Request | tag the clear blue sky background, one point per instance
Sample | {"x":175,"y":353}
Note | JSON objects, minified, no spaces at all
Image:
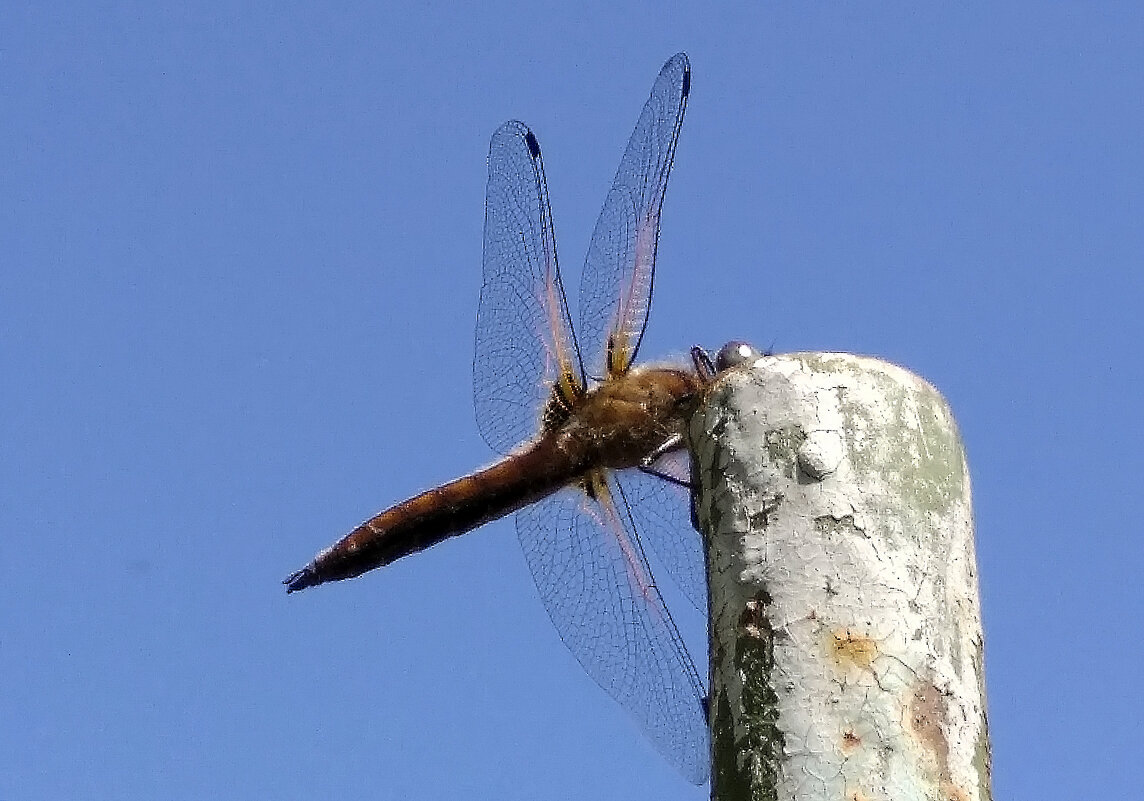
{"x":239,"y":267}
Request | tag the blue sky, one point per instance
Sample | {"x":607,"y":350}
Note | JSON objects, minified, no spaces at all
{"x":239,"y":267}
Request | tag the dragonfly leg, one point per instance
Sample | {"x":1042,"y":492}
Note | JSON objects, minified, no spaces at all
{"x":670,"y":444}
{"x":704,"y":367}
{"x":651,"y":471}
{"x":674,"y":442}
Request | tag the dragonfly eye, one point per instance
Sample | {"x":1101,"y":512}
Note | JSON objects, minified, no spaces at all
{"x":735,"y":353}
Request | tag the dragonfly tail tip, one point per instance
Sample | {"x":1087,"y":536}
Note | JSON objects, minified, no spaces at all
{"x":300,"y":580}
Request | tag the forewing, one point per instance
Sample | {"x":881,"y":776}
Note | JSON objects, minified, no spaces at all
{"x":615,"y":287}
{"x":598,"y":590}
{"x":524,"y":339}
{"x":662,"y":515}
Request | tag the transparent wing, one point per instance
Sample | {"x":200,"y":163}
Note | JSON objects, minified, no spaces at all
{"x":596,"y":585}
{"x":662,"y":514}
{"x":615,"y":288}
{"x":524,"y":341}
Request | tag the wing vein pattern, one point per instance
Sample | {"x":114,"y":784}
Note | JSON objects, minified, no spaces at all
{"x":616,"y":285}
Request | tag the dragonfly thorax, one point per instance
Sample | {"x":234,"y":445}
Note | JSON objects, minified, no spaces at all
{"x":620,"y":422}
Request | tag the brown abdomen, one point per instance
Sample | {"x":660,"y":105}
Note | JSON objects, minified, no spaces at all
{"x":443,"y":512}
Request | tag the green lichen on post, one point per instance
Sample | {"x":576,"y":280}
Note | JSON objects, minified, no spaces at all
{"x":726,"y":778}
{"x":748,"y":752}
{"x":983,"y":764}
{"x":983,"y":752}
{"x":782,"y":447}
{"x":927,"y":461}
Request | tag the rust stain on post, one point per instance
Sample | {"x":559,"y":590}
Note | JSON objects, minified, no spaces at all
{"x":929,"y":718}
{"x":851,"y":742}
{"x":850,"y":649}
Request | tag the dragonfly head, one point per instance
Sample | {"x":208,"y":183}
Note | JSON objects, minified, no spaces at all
{"x":735,"y":353}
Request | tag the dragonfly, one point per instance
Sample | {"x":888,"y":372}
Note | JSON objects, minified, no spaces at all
{"x":603,"y":458}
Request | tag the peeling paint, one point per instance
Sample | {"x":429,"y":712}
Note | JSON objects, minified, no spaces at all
{"x":768,"y":508}
{"x":782,"y":445}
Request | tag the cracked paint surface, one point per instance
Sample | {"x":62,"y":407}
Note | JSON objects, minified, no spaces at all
{"x":845,"y":623}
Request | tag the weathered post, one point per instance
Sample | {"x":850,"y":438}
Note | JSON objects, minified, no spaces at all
{"x":846,"y":645}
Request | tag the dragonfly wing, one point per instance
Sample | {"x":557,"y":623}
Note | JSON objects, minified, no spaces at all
{"x":615,"y":288}
{"x":524,"y":341}
{"x":598,"y":590}
{"x":662,"y":515}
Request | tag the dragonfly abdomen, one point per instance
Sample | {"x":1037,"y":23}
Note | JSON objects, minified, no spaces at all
{"x":446,"y":511}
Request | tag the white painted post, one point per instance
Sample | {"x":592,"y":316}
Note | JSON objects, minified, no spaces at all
{"x":846,"y":646}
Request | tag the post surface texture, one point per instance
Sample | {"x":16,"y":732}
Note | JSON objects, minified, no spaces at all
{"x":846,"y":646}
